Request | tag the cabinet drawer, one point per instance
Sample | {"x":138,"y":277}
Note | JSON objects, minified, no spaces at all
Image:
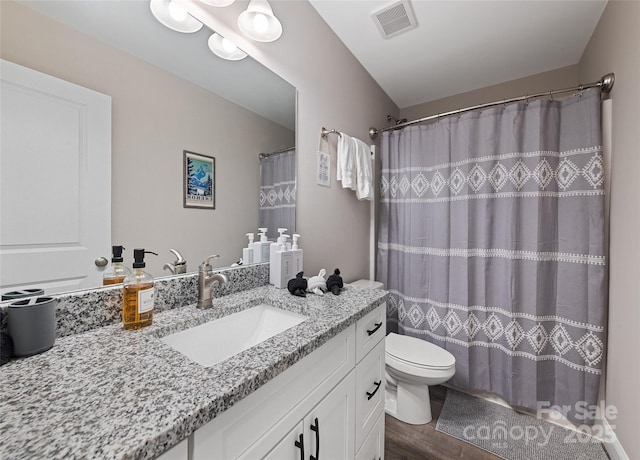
{"x":370,"y":330}
{"x":370,"y":383}
{"x":373,"y":446}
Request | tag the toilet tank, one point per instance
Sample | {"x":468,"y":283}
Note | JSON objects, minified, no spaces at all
{"x":370,"y":284}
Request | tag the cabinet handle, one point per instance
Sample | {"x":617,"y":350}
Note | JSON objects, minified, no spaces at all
{"x":370,"y":332}
{"x":300,"y":445}
{"x":315,"y":427}
{"x":370,"y":395}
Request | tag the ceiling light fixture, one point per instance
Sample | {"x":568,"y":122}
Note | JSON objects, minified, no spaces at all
{"x":259,"y":23}
{"x":173,"y":16}
{"x":224,"y":48}
{"x":218,"y":3}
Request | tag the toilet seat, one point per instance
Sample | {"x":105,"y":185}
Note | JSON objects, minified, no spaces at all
{"x":406,"y":351}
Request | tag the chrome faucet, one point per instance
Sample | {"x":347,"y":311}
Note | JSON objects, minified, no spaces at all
{"x":205,"y":279}
{"x":179,"y":266}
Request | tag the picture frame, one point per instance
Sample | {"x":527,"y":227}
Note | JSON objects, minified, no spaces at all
{"x":199,"y":181}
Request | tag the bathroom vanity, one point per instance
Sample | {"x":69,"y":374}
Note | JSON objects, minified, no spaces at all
{"x":110,"y":393}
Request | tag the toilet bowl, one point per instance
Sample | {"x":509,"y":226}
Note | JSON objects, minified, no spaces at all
{"x":411,"y":365}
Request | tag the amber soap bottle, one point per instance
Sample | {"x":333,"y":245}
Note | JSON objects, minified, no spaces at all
{"x":117,"y":272}
{"x":138,"y":294}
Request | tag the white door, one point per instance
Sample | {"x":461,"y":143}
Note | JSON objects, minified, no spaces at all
{"x":330,"y":426}
{"x":55,"y":182}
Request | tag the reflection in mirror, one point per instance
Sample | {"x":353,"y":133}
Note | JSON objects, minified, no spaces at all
{"x":278,"y":191}
{"x":168,"y":93}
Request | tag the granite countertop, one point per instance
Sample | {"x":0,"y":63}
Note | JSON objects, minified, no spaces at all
{"x":110,"y":393}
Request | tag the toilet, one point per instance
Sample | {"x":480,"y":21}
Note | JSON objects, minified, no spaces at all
{"x":411,"y":366}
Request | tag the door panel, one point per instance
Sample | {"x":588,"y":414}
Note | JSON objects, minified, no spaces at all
{"x":55,"y":182}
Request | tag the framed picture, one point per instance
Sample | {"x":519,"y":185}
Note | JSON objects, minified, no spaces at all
{"x":199,"y":181}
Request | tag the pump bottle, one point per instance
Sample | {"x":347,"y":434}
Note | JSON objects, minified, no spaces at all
{"x":280,"y":265}
{"x":247,"y":253}
{"x":296,"y":254}
{"x":275,"y":246}
{"x":138,"y":294}
{"x":117,"y":272}
{"x":261,"y":248}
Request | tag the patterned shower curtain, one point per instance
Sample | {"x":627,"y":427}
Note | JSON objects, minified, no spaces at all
{"x":491,"y":243}
{"x":278,"y":193}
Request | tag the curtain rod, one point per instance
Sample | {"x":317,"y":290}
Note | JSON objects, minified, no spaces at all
{"x":605,"y":84}
{"x":262,"y":156}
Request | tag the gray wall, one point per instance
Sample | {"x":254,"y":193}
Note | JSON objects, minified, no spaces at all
{"x":155,"y":116}
{"x":333,"y":91}
{"x":554,"y":79}
{"x":615,"y":47}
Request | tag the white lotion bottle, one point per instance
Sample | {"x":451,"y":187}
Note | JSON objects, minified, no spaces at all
{"x":280,"y":262}
{"x":247,"y":253}
{"x":296,"y":255}
{"x":273,"y":247}
{"x":261,"y":249}
{"x":286,"y":266}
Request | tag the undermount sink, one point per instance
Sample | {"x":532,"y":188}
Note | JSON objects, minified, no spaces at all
{"x":213,"y":342}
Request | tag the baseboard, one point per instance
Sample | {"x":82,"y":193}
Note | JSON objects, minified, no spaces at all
{"x":613,"y":447}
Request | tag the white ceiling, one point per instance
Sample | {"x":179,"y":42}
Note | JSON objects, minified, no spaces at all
{"x":128,"y":25}
{"x":460,"y":46}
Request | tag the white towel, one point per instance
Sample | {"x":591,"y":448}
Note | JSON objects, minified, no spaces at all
{"x":354,"y":167}
{"x":364,"y":170}
{"x":346,"y":161}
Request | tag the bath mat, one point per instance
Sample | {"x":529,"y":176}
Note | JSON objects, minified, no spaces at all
{"x":510,"y":435}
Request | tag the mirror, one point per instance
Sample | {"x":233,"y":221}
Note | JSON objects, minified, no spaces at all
{"x":169,"y":93}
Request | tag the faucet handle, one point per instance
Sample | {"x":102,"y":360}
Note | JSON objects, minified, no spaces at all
{"x":179,"y":258}
{"x":206,"y":261}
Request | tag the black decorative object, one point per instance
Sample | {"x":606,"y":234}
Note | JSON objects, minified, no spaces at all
{"x":298,"y":285}
{"x":334,"y":282}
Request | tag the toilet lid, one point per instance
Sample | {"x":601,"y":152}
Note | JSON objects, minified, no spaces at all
{"x":418,"y":352}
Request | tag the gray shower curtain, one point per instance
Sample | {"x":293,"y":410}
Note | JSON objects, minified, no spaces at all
{"x":278,"y":193}
{"x":491,"y":242}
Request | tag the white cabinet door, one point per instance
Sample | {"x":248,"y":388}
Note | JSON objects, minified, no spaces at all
{"x":327,"y":432}
{"x":293,"y":446}
{"x":55,"y":182}
{"x":252,"y":427}
{"x":330,"y":426}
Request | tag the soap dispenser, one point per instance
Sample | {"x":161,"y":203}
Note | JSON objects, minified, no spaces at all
{"x":247,"y":253}
{"x":138,"y":294}
{"x":280,"y":266}
{"x":261,"y":249}
{"x":296,"y":254}
{"x":117,"y":272}
{"x":276,"y":245}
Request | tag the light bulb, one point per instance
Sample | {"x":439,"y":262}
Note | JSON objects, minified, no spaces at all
{"x":260,"y":22}
{"x":177,"y":12}
{"x":228,"y":46}
{"x":224,"y":48}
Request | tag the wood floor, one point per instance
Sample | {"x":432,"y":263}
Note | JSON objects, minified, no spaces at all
{"x":423,"y":442}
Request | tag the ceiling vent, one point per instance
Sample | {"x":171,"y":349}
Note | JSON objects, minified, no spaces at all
{"x":395,"y":19}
